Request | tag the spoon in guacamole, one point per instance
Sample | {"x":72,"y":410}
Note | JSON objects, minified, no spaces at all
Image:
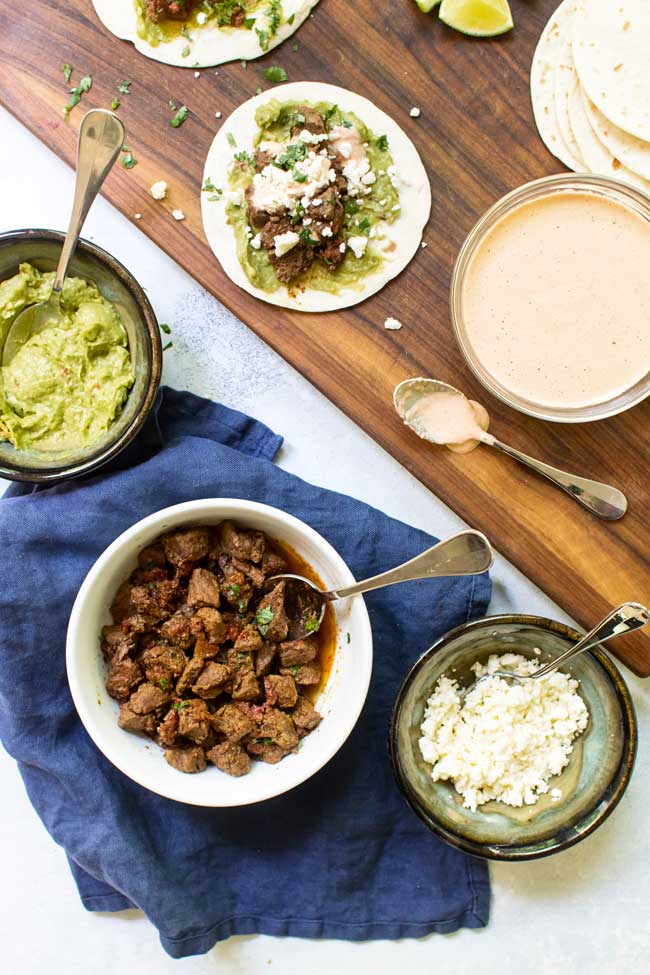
{"x":101,"y":137}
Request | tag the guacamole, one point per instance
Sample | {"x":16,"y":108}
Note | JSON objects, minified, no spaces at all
{"x":66,"y":385}
{"x":364,"y":214}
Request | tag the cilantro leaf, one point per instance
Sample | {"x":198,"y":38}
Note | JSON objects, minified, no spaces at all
{"x":276,"y":74}
{"x":264,"y":616}
{"x":123,"y":87}
{"x":67,"y":71}
{"x":180,"y":117}
{"x":382,"y":143}
{"x":165,"y":328}
{"x":312,"y":626}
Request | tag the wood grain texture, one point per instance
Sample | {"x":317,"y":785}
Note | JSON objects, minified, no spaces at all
{"x":477,"y":138}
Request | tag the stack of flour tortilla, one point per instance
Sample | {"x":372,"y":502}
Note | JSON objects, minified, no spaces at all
{"x":590,"y":87}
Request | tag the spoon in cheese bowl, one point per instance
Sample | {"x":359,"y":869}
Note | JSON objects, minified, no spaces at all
{"x":441,"y":414}
{"x":623,"y":619}
{"x":467,"y":553}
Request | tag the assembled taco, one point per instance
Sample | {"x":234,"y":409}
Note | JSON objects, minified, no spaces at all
{"x":201,"y":33}
{"x":313,"y":198}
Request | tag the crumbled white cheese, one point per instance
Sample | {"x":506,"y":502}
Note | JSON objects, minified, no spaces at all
{"x":178,"y":215}
{"x":236,"y":197}
{"x":316,"y":203}
{"x":394,"y":176}
{"x":368,"y":178}
{"x":396,"y":208}
{"x":415,"y":112}
{"x":285,"y":242}
{"x":201,"y":18}
{"x":256,"y":242}
{"x":358,"y":245}
{"x":158,"y":190}
{"x":306,"y":221}
{"x":343,"y":247}
{"x":327,"y":232}
{"x":505,"y":740}
{"x":392,"y":324}
{"x":275,"y":189}
{"x":556,"y":795}
{"x":311,"y":138}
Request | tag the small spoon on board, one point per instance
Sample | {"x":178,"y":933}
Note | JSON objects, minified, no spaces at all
{"x":600,"y":499}
{"x":464,"y":554}
{"x":101,"y":137}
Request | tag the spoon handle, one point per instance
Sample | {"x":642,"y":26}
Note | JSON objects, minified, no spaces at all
{"x":467,"y":553}
{"x":601,"y":499}
{"x":101,"y":137}
{"x":623,"y":619}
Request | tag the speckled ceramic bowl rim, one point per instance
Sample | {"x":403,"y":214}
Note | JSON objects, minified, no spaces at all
{"x":92,"y":462}
{"x":610,"y":798}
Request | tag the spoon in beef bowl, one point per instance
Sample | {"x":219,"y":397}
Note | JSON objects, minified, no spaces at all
{"x":465,"y":554}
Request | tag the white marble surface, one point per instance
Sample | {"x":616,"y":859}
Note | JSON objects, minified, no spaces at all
{"x":583,"y":911}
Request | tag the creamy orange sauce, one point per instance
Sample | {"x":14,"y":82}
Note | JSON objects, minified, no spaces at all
{"x":556,"y":300}
{"x":449,"y":418}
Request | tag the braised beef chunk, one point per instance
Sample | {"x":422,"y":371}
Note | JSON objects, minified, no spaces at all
{"x":230,"y":757}
{"x":147,"y":698}
{"x":201,"y":656}
{"x":211,"y":680}
{"x":270,"y":616}
{"x":193,"y":720}
{"x":305,"y":716}
{"x":158,"y":10}
{"x":238,"y":16}
{"x":230,"y":721}
{"x":242,"y":544}
{"x":280,"y":690}
{"x":190,"y":759}
{"x":186,"y":546}
{"x":313,"y":122}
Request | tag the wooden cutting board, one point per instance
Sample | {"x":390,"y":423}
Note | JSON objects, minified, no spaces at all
{"x":477,"y":138}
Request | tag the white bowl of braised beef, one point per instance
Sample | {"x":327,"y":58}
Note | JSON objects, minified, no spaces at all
{"x":182,"y":656}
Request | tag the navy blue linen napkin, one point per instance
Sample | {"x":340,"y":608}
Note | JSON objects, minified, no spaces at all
{"x":341,"y":856}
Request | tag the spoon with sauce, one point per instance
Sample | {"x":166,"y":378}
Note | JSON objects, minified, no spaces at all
{"x":101,"y":137}
{"x":467,"y":553}
{"x":443,"y":415}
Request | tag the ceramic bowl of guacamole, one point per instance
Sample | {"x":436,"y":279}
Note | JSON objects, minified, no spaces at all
{"x":75,"y":394}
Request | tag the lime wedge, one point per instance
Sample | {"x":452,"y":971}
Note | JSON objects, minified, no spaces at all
{"x":479,"y":18}
{"x":427,"y":5}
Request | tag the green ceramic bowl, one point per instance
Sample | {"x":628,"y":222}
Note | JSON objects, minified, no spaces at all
{"x":593,"y":782}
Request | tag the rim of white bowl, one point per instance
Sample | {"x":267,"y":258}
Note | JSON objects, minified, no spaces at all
{"x":152,"y":521}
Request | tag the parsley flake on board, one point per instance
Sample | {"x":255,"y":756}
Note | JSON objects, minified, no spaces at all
{"x":180,"y":117}
{"x":115,"y":104}
{"x":67,"y":71}
{"x":123,"y":87}
{"x":275,"y":74}
{"x":84,"y":85}
{"x":128,"y":159}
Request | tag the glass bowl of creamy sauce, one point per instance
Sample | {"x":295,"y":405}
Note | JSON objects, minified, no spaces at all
{"x":550,"y":298}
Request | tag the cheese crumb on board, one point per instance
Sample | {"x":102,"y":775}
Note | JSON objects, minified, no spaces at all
{"x":505,"y":740}
{"x":159,"y":189}
{"x":392,"y":324}
{"x":415,"y":112}
{"x":178,"y":215}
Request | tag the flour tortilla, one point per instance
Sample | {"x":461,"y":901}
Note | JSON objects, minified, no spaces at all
{"x":611,"y":48}
{"x":210,"y":44}
{"x":405,"y":232}
{"x":549,"y":78}
{"x":632,"y":152}
{"x":596,"y":155}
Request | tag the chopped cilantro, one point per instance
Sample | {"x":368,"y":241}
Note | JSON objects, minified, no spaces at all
{"x":297,"y":118}
{"x":331,"y":112}
{"x":115,"y":104}
{"x":170,"y":345}
{"x":209,"y":187}
{"x":291,"y":18}
{"x":312,"y":625}
{"x":234,"y":589}
{"x":382,"y":143}
{"x":364,"y":224}
{"x":128,"y":159}
{"x":262,"y":741}
{"x":67,"y":71}
{"x":165,"y":328}
{"x":123,"y":87}
{"x":276,"y":74}
{"x":298,"y":176}
{"x":84,"y":85}
{"x":231,"y":140}
{"x":306,"y":238}
{"x":293,"y":153}
{"x":264,"y":617}
{"x":351,"y":207}
{"x":248,"y":23}
{"x":163,"y":683}
{"x":294,"y":670}
{"x":346,"y":123}
{"x":185,"y":52}
{"x":180,"y":705}
{"x":185,"y":31}
{"x":347,"y":636}
{"x":263,"y":37}
{"x":180,"y":117}
{"x":244,"y":157}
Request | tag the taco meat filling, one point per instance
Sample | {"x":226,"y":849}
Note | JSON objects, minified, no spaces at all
{"x":296,"y":201}
{"x":227,"y":11}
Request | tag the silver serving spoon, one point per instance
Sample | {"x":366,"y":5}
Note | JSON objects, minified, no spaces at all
{"x":623,"y":619}
{"x":464,"y":554}
{"x":101,"y":137}
{"x":601,"y":499}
